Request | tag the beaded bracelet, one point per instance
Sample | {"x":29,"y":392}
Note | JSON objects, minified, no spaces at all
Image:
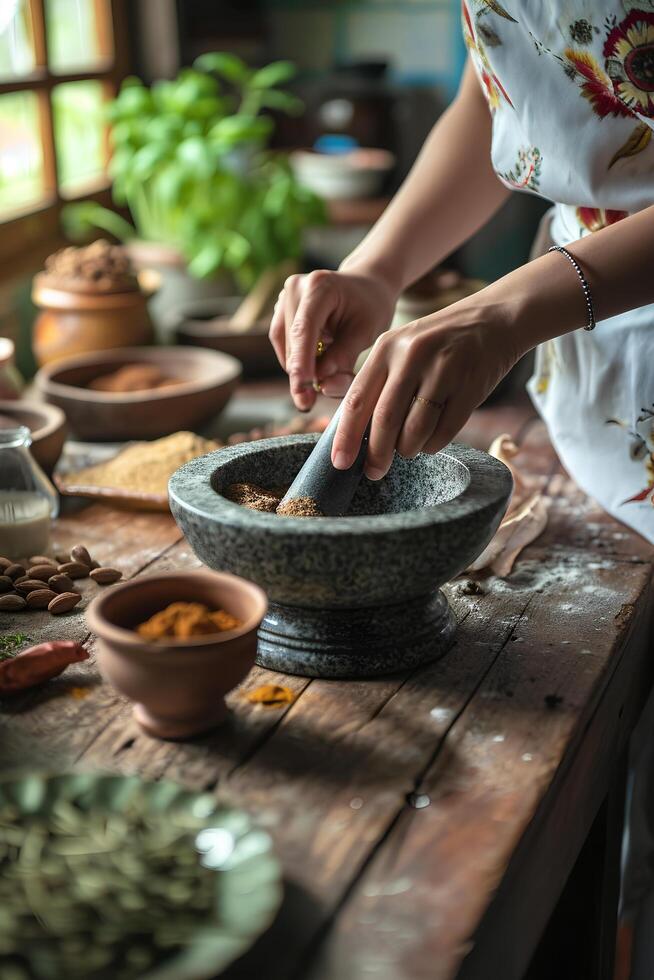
{"x":584,"y":284}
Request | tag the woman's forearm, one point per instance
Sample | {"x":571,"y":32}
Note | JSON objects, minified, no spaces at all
{"x":545,"y":298}
{"x":451,"y":192}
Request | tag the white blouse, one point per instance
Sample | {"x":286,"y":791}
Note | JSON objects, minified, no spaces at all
{"x":570,"y":86}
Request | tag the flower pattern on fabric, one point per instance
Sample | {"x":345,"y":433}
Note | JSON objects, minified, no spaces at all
{"x":525,"y":174}
{"x":624,"y":86}
{"x":493,"y":88}
{"x":641,"y":447}
{"x":594,"y":219}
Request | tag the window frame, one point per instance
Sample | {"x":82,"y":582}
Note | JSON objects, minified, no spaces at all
{"x":32,"y":231}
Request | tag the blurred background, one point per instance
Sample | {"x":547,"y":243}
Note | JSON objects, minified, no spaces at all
{"x":161,"y":168}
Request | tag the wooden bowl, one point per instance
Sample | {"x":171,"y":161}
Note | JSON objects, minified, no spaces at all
{"x":47,"y":424}
{"x":205,"y":323}
{"x":207,"y":382}
{"x":178,"y":686}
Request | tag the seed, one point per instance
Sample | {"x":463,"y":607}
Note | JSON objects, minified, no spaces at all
{"x":61,"y":557}
{"x":29,"y":585}
{"x":5,"y":563}
{"x":61,"y":583}
{"x":11,"y":603}
{"x":41,"y":560}
{"x":105,"y":576}
{"x":21,"y":578}
{"x":80,"y":554}
{"x":95,"y":564}
{"x":15,"y":570}
{"x":40,"y":598}
{"x":63,"y":603}
{"x":42,"y":572}
{"x":74,"y":569}
{"x":6,"y":585}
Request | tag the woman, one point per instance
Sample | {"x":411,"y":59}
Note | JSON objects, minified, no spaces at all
{"x":557,"y":99}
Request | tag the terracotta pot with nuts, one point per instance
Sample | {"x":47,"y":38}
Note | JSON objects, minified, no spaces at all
{"x":90,"y":299}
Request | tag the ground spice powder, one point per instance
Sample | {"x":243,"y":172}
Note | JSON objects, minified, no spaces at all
{"x":257,"y":498}
{"x":271,"y":695}
{"x":180,"y":620}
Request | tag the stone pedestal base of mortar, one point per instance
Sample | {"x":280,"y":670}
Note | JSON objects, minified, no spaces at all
{"x":355,"y":642}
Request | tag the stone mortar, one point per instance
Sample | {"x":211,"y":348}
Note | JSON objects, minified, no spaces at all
{"x":351,"y":596}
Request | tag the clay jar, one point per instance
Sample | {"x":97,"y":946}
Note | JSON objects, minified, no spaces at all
{"x":73,"y":322}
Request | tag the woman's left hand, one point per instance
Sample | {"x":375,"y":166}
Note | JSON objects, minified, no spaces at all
{"x":421,"y":382}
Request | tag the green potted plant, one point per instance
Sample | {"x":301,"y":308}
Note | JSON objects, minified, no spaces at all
{"x":191,"y":162}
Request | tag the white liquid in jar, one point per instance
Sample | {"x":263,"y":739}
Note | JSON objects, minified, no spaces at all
{"x":24,"y":523}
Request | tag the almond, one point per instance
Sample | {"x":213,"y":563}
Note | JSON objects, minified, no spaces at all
{"x":63,"y":603}
{"x":41,"y":560}
{"x":6,"y":585}
{"x":61,"y":583}
{"x":40,"y":598}
{"x":74,"y":569}
{"x":29,"y":585}
{"x":15,"y":570}
{"x":80,"y":554}
{"x":11,"y":603}
{"x":21,"y":578}
{"x":61,"y":558}
{"x":4,"y":564}
{"x":43,"y":572}
{"x":105,"y":576}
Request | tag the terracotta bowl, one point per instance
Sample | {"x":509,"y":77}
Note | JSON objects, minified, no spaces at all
{"x":205,"y":323}
{"x":207,"y":382}
{"x":47,"y":424}
{"x":178,"y":686}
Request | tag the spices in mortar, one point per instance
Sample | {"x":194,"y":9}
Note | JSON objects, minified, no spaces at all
{"x":257,"y":498}
{"x":132,"y":377}
{"x":180,"y":620}
{"x":143,"y":467}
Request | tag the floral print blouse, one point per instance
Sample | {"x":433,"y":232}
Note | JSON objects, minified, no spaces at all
{"x":570,"y":86}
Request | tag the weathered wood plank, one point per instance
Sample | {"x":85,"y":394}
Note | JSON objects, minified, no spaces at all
{"x":415,"y":911}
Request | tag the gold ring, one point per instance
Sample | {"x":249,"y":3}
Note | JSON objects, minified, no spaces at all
{"x":317,"y":387}
{"x":428,"y":401}
{"x":320,"y":348}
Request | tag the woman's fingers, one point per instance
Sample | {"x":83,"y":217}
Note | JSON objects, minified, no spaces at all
{"x":421,"y":419}
{"x":388,"y":419}
{"x":454,"y":416}
{"x":357,"y":411}
{"x":277,"y":329}
{"x":304,"y":326}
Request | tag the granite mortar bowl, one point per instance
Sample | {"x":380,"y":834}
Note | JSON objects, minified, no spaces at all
{"x":349,"y":596}
{"x":179,"y":686}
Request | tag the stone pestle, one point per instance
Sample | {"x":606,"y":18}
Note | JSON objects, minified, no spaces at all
{"x":331,"y":490}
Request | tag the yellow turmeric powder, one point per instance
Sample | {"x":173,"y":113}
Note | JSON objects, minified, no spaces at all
{"x":271,"y":695}
{"x":180,"y":620}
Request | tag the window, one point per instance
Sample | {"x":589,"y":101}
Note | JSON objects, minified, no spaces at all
{"x":60,"y":60}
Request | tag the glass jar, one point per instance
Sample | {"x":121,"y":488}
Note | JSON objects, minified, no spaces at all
{"x":28,"y":501}
{"x":11,"y":382}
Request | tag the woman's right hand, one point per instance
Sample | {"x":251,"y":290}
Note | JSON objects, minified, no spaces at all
{"x":345,"y":310}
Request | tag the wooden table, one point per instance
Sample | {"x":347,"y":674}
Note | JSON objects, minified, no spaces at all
{"x":427,"y":822}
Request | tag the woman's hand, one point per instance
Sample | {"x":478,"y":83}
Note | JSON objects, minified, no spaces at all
{"x":422,"y":381}
{"x":346,"y":310}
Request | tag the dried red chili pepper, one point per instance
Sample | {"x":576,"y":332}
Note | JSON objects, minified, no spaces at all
{"x":39,"y":664}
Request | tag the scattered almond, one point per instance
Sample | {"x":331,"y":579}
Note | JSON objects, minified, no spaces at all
{"x":15,"y":570}
{"x":4,"y":564}
{"x":80,"y":554}
{"x":42,"y":572}
{"x":63,"y":603}
{"x":105,"y":576}
{"x":11,"y":603}
{"x":61,"y":583}
{"x":41,"y":560}
{"x":21,"y":578}
{"x":95,"y":564}
{"x":74,"y":569}
{"x":40,"y":598}
{"x":29,"y":585}
{"x":6,"y":585}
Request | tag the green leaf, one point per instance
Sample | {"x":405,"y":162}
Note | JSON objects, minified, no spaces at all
{"x":283,"y":101}
{"x":148,"y":159}
{"x":222,"y":63}
{"x":207,"y":261}
{"x":80,"y":219}
{"x":241,"y":129}
{"x":275,"y":73}
{"x":196,"y":153}
{"x":237,"y":250}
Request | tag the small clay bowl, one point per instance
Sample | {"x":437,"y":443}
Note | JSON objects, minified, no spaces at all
{"x":47,"y":423}
{"x":178,"y":686}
